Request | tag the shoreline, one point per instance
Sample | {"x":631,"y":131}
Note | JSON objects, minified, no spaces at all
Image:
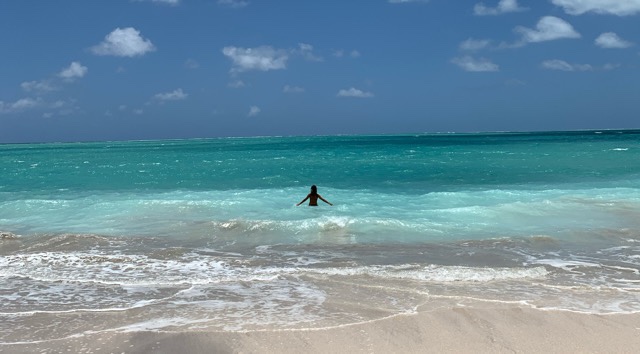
{"x":461,"y":327}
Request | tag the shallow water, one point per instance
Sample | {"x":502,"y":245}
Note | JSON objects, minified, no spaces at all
{"x":204,"y":234}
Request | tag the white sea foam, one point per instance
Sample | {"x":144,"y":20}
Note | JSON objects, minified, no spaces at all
{"x":139,"y":270}
{"x":115,"y":269}
{"x":158,"y":324}
{"x":80,"y":280}
{"x":569,"y":265}
{"x":433,"y":273}
{"x":5,"y":235}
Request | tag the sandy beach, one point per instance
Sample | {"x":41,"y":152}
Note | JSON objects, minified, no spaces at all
{"x":463,"y":327}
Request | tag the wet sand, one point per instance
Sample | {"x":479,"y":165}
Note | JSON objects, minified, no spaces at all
{"x":468,"y":327}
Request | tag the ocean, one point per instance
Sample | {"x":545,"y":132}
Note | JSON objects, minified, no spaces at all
{"x":204,"y":234}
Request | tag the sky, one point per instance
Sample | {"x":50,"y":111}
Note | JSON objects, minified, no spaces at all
{"x":78,"y":70}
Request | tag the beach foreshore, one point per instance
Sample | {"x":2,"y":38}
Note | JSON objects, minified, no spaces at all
{"x":457,"y":328}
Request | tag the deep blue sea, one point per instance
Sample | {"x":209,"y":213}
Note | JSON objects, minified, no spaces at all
{"x":204,"y":233}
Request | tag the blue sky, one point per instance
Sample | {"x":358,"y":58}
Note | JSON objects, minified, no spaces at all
{"x":77,"y":70}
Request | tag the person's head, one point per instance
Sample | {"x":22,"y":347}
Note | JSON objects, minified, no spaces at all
{"x":314,"y":189}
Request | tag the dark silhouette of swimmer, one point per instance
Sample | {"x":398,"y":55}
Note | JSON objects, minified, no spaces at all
{"x":313,"y":197}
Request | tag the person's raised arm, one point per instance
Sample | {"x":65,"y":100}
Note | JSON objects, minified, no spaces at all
{"x":324,"y":200}
{"x":303,"y":200}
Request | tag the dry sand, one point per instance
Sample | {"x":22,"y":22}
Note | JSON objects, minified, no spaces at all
{"x":454,"y":328}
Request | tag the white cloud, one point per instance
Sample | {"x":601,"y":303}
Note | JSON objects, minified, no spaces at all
{"x":355,"y":54}
{"x":504,"y":6}
{"x":175,"y":95}
{"x":610,"y":66}
{"x":262,"y":58}
{"x":25,"y":103}
{"x":306,"y":50}
{"x":124,"y":42}
{"x":19,"y":105}
{"x":74,"y":71}
{"x":557,"y":64}
{"x":233,"y":3}
{"x":605,"y":7}
{"x":353,"y":92}
{"x":611,"y":40}
{"x":138,"y":111}
{"x":469,"y":63}
{"x":304,"y":46}
{"x":549,"y":28}
{"x":474,"y":44}
{"x":38,"y":86}
{"x":253,"y":111}
{"x":292,"y":89}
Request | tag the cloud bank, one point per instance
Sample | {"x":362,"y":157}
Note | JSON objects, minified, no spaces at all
{"x":124,"y":42}
{"x":604,"y":7}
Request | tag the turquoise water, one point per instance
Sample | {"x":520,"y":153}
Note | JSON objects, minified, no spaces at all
{"x":416,"y":164}
{"x":205,"y":233}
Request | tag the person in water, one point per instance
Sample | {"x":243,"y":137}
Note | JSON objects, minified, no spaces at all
{"x":313,"y":197}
